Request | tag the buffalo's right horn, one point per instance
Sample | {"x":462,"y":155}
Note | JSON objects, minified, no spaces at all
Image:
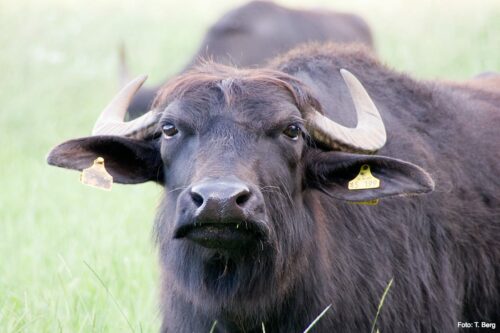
{"x":369,"y":134}
{"x":110,"y":122}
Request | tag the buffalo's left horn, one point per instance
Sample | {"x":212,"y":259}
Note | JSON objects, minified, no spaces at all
{"x":110,"y":122}
{"x":369,"y":134}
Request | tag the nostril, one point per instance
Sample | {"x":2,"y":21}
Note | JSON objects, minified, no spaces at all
{"x":197,"y":199}
{"x":243,"y":198}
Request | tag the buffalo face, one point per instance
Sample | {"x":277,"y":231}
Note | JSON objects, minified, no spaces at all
{"x":233,"y":174}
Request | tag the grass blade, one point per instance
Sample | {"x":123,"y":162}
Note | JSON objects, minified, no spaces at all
{"x":380,"y":304}
{"x":212,"y":329}
{"x":317,"y":319}
{"x":111,"y":295}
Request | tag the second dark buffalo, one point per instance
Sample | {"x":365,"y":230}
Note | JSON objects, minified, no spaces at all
{"x":253,"y":33}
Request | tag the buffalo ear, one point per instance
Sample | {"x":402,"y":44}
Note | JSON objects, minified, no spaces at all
{"x":332,"y":171}
{"x":129,"y":161}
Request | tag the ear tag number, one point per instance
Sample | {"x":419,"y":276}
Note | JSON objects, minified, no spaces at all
{"x":97,"y":176}
{"x":364,"y":180}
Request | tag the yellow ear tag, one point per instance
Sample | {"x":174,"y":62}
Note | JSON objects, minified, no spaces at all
{"x":364,"y":180}
{"x":97,"y":176}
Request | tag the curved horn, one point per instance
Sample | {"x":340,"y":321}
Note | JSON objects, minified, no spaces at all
{"x":110,"y":121}
{"x":369,"y":134}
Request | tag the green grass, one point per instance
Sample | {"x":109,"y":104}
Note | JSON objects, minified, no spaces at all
{"x":75,"y":259}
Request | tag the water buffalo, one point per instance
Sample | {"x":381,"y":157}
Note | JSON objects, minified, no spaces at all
{"x":255,"y":32}
{"x":259,"y":225}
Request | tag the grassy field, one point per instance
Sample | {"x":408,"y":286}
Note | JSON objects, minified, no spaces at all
{"x":75,"y":259}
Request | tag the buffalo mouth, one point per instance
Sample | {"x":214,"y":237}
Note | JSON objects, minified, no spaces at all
{"x":221,"y":235}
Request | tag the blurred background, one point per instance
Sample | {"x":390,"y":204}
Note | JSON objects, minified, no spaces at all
{"x":76,"y":259}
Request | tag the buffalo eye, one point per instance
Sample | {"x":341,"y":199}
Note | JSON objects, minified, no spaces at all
{"x":293,"y":132}
{"x":169,"y":130}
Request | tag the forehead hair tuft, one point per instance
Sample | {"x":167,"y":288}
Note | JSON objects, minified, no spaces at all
{"x":227,"y":86}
